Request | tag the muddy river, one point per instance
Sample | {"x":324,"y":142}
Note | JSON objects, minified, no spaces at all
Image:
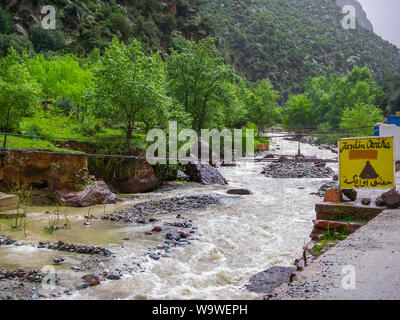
{"x":238,"y":237}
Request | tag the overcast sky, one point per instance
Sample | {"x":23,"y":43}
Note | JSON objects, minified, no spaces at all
{"x":385,"y":17}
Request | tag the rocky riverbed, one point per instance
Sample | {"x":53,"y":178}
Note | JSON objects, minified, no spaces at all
{"x":100,"y":264}
{"x":138,"y":212}
{"x":292,"y":169}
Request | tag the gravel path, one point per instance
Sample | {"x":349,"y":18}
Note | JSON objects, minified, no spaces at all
{"x":373,"y":251}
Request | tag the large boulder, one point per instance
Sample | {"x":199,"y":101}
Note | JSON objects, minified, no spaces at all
{"x":92,"y":279}
{"x":266,"y":281}
{"x":96,"y":193}
{"x":391,"y":199}
{"x":138,"y":184}
{"x":350,"y":193}
{"x":241,"y":192}
{"x":204,"y":174}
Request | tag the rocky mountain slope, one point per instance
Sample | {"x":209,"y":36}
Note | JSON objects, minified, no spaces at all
{"x":84,"y":25}
{"x":290,"y":40}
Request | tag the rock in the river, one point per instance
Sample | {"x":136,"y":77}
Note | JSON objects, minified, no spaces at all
{"x":270,"y":279}
{"x":204,"y":174}
{"x":145,"y":182}
{"x":92,"y":279}
{"x":328,"y":185}
{"x":114,"y":275}
{"x":181,"y":176}
{"x":366,"y":201}
{"x":82,"y":286}
{"x":240,"y":192}
{"x":96,"y":193}
{"x":154,"y":256}
{"x":172,"y":236}
{"x":58,"y":260}
{"x":350,"y":193}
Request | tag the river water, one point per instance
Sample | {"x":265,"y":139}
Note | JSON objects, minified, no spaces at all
{"x":237,"y":238}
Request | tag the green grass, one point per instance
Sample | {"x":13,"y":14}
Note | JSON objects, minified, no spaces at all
{"x":326,"y":238}
{"x":332,"y":237}
{"x":340,"y":216}
{"x":258,"y":140}
{"x":52,"y":126}
{"x":118,"y":134}
{"x":31,"y":144}
{"x":317,"y":250}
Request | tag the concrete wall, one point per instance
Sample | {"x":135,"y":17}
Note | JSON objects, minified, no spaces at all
{"x":389,"y":130}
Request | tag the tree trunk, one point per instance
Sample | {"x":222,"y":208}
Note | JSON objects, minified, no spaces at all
{"x":6,"y":128}
{"x":129,"y":132}
{"x":5,"y":141}
{"x":258,"y":128}
{"x":203,"y":114}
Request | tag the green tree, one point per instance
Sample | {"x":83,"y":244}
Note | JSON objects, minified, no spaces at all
{"x":261,"y":105}
{"x":391,"y":87}
{"x":330,"y":95}
{"x":298,"y":113}
{"x":127,"y":82}
{"x":197,"y":79}
{"x":61,"y":76}
{"x":19,"y":43}
{"x":361,"y":116}
{"x":19,"y":93}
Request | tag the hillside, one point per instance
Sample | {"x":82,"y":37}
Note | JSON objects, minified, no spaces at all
{"x":288,"y":41}
{"x":84,"y":25}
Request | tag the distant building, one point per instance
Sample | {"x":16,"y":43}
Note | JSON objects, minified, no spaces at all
{"x":390,"y":128}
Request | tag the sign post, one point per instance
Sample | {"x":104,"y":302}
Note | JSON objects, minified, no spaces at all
{"x":366,"y":163}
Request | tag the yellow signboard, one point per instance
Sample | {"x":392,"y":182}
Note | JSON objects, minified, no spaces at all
{"x":366,"y":163}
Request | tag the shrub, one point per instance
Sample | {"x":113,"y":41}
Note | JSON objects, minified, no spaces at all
{"x":119,"y":22}
{"x":15,"y":41}
{"x":65,"y":105}
{"x":182,"y":8}
{"x":6,"y":23}
{"x":46,"y":40}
